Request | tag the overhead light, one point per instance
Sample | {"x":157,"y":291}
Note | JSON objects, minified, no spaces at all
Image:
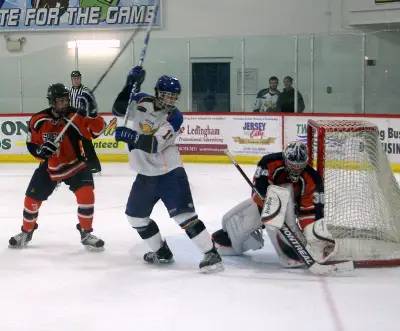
{"x":95,"y":51}
{"x":91,"y":44}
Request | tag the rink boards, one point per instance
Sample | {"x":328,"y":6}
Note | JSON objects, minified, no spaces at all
{"x":204,"y":137}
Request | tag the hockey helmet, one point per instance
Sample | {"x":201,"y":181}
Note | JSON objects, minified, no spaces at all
{"x":76,"y":73}
{"x":168,"y":90}
{"x":295,"y":157}
{"x":57,"y":91}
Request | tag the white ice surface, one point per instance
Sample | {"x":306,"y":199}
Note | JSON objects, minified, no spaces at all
{"x":55,"y":285}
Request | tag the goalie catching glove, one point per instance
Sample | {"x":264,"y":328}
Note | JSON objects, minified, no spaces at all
{"x":320,"y":242}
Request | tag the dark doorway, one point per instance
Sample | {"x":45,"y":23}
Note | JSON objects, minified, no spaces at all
{"x":211,"y":87}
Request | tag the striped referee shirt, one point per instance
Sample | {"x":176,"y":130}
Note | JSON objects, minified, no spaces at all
{"x":74,"y":93}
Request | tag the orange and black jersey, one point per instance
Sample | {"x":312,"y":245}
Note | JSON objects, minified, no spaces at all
{"x":308,"y":190}
{"x":69,"y":159}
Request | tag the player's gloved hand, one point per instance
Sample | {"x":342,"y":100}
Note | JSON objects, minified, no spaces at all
{"x":136,"y":75}
{"x":48,"y":148}
{"x":126,"y":135}
{"x":88,"y":105}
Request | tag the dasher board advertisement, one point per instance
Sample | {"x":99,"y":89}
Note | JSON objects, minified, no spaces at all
{"x":242,"y":135}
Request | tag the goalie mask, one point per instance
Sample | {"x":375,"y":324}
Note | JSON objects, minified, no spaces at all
{"x":295,"y":157}
{"x":58,"y":96}
{"x":168,"y":90}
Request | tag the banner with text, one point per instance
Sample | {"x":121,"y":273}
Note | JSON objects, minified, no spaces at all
{"x":14,"y":130}
{"x":203,"y":135}
{"x":389,"y":133}
{"x":76,"y":14}
{"x":242,"y":135}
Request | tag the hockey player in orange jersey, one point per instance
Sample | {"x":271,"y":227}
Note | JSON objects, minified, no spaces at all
{"x":243,"y":227}
{"x":61,"y":161}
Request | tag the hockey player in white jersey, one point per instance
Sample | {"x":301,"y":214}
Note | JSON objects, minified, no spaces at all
{"x":154,"y":156}
{"x":301,"y":206}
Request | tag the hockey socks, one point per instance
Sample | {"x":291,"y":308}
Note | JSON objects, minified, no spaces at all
{"x":30,"y":213}
{"x":148,"y":230}
{"x":85,"y":200}
{"x":197,"y":232}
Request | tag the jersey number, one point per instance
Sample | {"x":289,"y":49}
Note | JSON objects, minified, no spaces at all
{"x":260,"y":172}
{"x":318,"y":198}
{"x":168,"y":135}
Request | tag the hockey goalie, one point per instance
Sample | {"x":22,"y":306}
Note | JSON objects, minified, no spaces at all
{"x":294,"y":194}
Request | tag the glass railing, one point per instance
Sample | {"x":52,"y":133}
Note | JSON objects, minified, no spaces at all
{"x":334,"y":73}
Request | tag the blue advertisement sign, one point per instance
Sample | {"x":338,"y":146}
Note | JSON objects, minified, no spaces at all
{"x":76,"y":14}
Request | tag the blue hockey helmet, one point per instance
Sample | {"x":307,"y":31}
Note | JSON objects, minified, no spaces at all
{"x":168,"y":90}
{"x":295,"y":157}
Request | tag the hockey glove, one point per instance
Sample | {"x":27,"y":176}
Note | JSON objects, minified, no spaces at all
{"x":126,"y":135}
{"x":136,"y":75}
{"x":146,"y":143}
{"x":88,"y":105}
{"x":47,"y":149}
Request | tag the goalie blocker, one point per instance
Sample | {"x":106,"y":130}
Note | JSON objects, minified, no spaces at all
{"x":293,"y":195}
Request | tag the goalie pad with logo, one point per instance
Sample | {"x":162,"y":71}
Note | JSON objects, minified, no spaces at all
{"x":279,"y":208}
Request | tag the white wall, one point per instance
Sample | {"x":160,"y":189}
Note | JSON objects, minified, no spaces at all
{"x":269,"y":27}
{"x":209,"y":18}
{"x":367,"y":12}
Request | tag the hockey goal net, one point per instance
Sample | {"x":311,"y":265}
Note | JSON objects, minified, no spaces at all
{"x":362,"y":196}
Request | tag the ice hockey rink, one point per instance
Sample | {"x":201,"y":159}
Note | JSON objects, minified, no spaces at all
{"x":55,"y":285}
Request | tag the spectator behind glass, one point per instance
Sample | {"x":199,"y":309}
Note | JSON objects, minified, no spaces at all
{"x":285,"y":102}
{"x":267,"y":98}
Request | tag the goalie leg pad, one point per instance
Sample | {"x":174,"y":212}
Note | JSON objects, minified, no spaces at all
{"x":286,"y":254}
{"x":223,"y":243}
{"x":240,"y":223}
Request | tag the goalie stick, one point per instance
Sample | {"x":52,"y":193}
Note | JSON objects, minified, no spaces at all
{"x":312,"y":265}
{"x":99,"y":81}
{"x":142,"y":56}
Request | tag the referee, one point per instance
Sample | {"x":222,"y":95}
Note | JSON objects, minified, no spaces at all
{"x":75,"y":91}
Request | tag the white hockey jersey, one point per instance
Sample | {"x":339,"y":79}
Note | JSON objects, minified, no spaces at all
{"x":266,"y":101}
{"x":164,"y":128}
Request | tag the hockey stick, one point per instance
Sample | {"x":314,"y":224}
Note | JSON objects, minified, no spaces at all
{"x":295,"y":243}
{"x":99,"y":81}
{"x":141,"y":60}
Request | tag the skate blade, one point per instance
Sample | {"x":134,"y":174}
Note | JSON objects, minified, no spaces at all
{"x":94,"y":249}
{"x":166,"y":261}
{"x":161,"y":261}
{"x":17,"y":246}
{"x":20,"y":246}
{"x":218,"y":267}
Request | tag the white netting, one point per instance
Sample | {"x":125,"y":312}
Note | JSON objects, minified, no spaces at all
{"x":362,"y":196}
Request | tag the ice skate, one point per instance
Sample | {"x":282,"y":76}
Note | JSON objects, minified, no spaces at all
{"x":212,"y":262}
{"x":91,"y":242}
{"x":96,"y":172}
{"x":22,"y":239}
{"x":163,"y":255}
